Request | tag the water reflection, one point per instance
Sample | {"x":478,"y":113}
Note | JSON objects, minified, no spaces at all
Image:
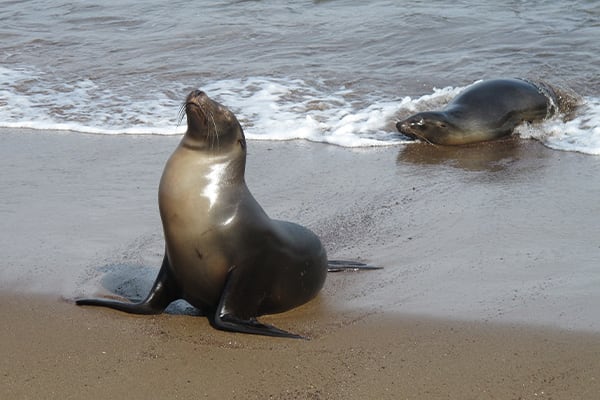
{"x":490,"y":156}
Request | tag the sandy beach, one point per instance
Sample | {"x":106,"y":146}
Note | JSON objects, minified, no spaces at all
{"x":489,"y":287}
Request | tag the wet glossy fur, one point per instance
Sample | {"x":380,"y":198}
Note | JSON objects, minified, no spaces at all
{"x":485,"y":111}
{"x":224,"y":255}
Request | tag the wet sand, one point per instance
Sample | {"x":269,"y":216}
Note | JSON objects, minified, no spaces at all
{"x":489,"y":288}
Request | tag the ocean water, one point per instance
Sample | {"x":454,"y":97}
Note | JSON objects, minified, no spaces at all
{"x":339,"y":71}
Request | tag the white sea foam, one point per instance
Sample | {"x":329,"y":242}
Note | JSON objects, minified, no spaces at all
{"x":268,"y":108}
{"x":581,"y":134}
{"x":284,"y":110}
{"x":29,"y":99}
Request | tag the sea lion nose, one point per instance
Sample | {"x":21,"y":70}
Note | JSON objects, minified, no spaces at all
{"x":198,"y":93}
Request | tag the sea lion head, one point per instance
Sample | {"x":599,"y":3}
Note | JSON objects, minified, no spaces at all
{"x":432,"y":127}
{"x":211,"y":126}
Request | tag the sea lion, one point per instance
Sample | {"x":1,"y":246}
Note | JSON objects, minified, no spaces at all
{"x":224,"y":255}
{"x":484,"y":111}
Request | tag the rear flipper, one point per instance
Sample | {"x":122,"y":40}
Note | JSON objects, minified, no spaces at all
{"x":225,"y":317}
{"x":163,"y":292}
{"x":343,"y":265}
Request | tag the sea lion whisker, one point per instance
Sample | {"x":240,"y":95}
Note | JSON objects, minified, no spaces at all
{"x":216,"y":131}
{"x":426,"y":140}
{"x":423,"y":138}
{"x":181,"y":114}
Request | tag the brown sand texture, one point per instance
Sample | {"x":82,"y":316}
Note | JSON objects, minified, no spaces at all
{"x":489,"y":287}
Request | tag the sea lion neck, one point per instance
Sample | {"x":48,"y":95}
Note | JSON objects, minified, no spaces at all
{"x":231,"y":157}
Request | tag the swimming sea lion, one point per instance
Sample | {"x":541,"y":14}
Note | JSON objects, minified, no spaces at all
{"x":484,"y":111}
{"x":224,"y":255}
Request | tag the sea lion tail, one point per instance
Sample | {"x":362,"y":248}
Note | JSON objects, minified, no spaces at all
{"x":345,"y":265}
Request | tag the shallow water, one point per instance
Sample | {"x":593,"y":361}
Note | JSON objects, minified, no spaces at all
{"x":340,"y":72}
{"x":503,"y":232}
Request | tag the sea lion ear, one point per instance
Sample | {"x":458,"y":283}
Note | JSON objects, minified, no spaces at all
{"x":242,"y":139}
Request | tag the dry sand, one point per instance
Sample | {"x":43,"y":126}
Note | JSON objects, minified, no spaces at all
{"x":490,"y":287}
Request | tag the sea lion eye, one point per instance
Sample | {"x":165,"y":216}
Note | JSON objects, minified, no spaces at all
{"x":420,"y":122}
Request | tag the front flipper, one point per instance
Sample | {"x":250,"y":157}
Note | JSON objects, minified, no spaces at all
{"x":232,"y":323}
{"x":163,"y":292}
{"x":229,"y":305}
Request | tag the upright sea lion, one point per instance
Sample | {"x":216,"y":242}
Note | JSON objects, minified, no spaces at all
{"x":224,"y":255}
{"x":484,"y":111}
